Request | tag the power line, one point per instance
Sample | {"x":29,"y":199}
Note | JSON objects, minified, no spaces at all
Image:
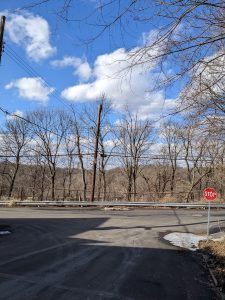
{"x":7,"y":113}
{"x":32,"y":72}
{"x":150,"y":156}
{"x":18,"y":60}
{"x":111,"y":156}
{"x":45,"y":155}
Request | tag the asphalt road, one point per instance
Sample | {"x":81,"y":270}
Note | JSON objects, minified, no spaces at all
{"x":96,"y":254}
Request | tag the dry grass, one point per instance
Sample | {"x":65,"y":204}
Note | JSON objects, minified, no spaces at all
{"x":168,"y":199}
{"x":215,"y":251}
{"x":215,"y":247}
{"x":12,"y":203}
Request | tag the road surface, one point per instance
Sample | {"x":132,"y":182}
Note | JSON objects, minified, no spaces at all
{"x":62,"y":253}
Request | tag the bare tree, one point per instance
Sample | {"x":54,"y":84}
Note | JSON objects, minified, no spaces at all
{"x":156,"y":177}
{"x":106,"y":147}
{"x":70,"y":146}
{"x":172,"y":149}
{"x":220,"y":170}
{"x":199,"y":155}
{"x":134,"y":140}
{"x":89,"y":119}
{"x":50,"y":129}
{"x":34,"y":175}
{"x":163,"y":174}
{"x":76,"y":126}
{"x":15,"y":142}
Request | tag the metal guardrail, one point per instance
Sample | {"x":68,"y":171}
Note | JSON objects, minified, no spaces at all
{"x":107,"y":203}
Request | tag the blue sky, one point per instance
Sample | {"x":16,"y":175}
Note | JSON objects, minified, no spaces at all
{"x":40,"y":47}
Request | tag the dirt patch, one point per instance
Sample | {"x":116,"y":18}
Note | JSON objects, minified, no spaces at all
{"x":215,"y":257}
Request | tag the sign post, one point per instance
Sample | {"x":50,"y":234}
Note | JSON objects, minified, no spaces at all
{"x":209,"y":194}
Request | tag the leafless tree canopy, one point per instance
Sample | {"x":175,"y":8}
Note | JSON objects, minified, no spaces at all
{"x":49,"y":153}
{"x":188,"y":30}
{"x":186,"y":36}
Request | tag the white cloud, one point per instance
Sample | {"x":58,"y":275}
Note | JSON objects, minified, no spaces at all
{"x":31,"y":88}
{"x":122,"y":85}
{"x":81,"y":66}
{"x":15,"y":114}
{"x":31,"y":32}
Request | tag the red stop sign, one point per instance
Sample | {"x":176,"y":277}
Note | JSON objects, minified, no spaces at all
{"x":210,"y":194}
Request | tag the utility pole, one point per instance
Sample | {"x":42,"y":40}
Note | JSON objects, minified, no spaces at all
{"x":2,"y":27}
{"x":96,"y":152}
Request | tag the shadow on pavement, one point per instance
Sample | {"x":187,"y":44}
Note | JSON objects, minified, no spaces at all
{"x":47,"y":259}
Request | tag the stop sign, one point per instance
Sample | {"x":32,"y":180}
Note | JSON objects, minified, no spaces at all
{"x":210,"y":194}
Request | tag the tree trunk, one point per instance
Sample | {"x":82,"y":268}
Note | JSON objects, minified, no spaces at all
{"x":70,"y":183}
{"x":172,"y":181}
{"x":82,"y":168}
{"x":99,"y":184}
{"x":42,"y":183}
{"x":34,"y":183}
{"x":84,"y":182}
{"x":190,"y":192}
{"x":64,"y":188}
{"x":129,"y":189}
{"x":14,"y":178}
{"x":104,"y":185}
{"x":53,"y":186}
{"x":134,"y":185}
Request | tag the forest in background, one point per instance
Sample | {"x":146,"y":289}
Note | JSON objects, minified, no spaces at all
{"x":48,"y":155}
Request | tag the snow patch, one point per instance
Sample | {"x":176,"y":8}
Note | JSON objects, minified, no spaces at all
{"x":185,"y":240}
{"x":115,"y":208}
{"x":4,"y":232}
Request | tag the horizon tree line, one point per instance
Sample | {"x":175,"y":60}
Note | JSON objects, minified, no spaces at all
{"x":47,"y":154}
